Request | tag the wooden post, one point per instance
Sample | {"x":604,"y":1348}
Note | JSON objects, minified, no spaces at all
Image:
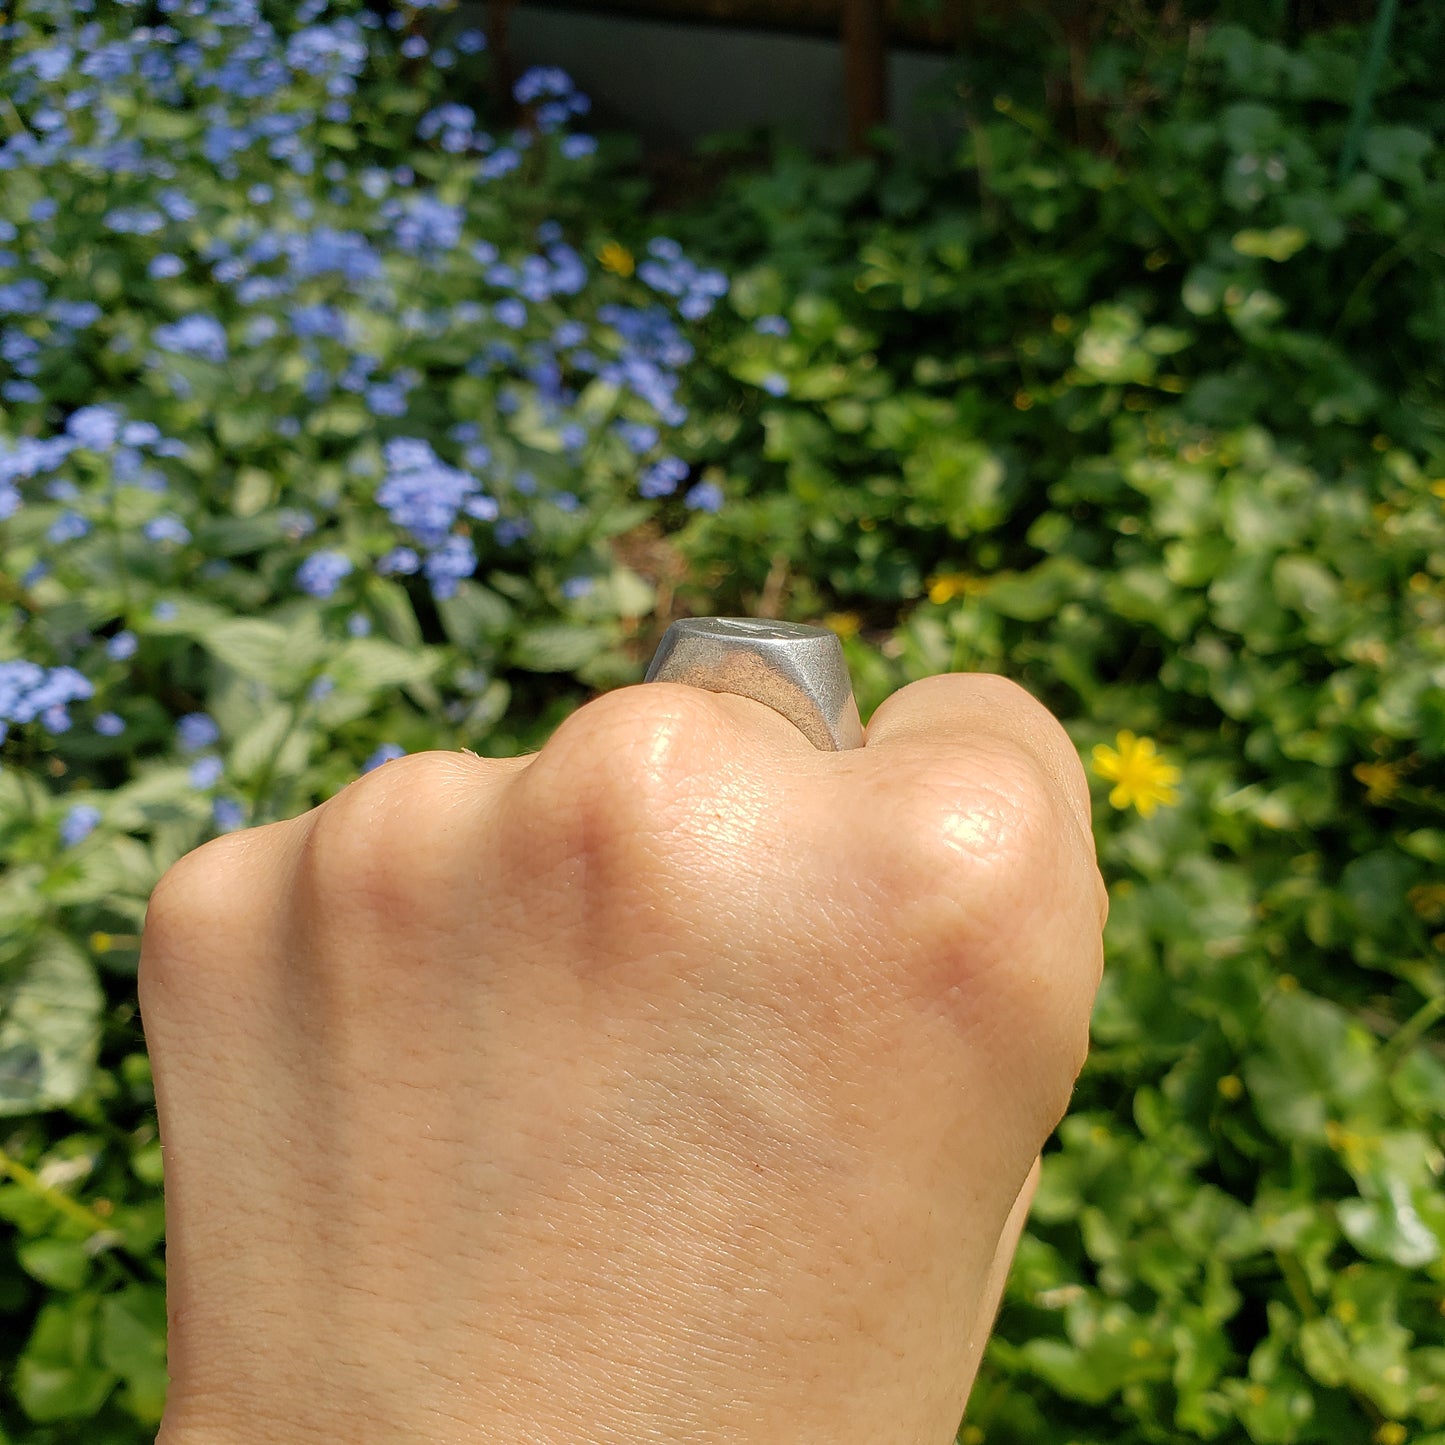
{"x":865,"y":69}
{"x":499,"y":44}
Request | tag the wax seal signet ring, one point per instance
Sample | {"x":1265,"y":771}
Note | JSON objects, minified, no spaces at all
{"x":797,"y":670}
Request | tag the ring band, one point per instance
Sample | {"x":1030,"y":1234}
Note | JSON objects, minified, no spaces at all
{"x":797,"y":670}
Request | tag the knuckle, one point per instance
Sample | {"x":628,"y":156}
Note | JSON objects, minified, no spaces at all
{"x":374,"y":846}
{"x":630,"y":762}
{"x":977,"y":830}
{"x":202,"y":903}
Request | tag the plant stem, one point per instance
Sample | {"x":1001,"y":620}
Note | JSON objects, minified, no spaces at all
{"x":72,"y":1209}
{"x":1365,"y":91}
{"x":1410,"y":1033}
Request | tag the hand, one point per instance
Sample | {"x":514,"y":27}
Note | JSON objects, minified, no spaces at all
{"x":676,"y":1083}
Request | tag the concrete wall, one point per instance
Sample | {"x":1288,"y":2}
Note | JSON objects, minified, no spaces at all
{"x":673,"y":82}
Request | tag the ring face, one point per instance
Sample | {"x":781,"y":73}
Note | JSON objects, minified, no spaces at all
{"x":797,"y":670}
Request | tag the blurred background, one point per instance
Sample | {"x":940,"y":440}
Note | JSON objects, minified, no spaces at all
{"x":377,"y":378}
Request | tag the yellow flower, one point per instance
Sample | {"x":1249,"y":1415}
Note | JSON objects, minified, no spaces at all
{"x":1381,"y":780}
{"x":945,"y":586}
{"x":845,"y":624}
{"x":616,"y":258}
{"x":1141,"y":777}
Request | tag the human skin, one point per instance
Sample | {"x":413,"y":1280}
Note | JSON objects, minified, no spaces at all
{"x":676,"y":1083}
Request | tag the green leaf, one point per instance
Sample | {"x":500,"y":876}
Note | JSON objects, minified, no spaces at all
{"x":1401,"y":1214}
{"x":133,"y":1345}
{"x":273,"y":734}
{"x":558,"y":647}
{"x":64,"y":1264}
{"x":963,"y":479}
{"x":57,"y":1377}
{"x":1277,"y":244}
{"x":233,"y":536}
{"x":474,"y":614}
{"x":50,"y":1010}
{"x":280,"y":656}
{"x":371,"y":664}
{"x":1039,"y":593}
{"x":1314,"y":1065}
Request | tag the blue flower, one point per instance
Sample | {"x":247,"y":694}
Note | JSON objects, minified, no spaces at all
{"x":421,"y":493}
{"x":321,"y":573}
{"x":639,"y":437}
{"x":167,"y":528}
{"x":512,"y":529}
{"x":540,"y":81}
{"x":661,"y":479}
{"x":772,"y":326}
{"x":110,"y":724}
{"x":511,"y":312}
{"x":67,"y":528}
{"x":50,"y":63}
{"x":499,"y":163}
{"x":206,"y":772}
{"x":424,"y":225}
{"x":775,"y":384}
{"x":78,"y":824}
{"x":386,"y":398}
{"x":576,"y":587}
{"x":470,"y":42}
{"x":449,"y":116}
{"x":195,"y":335}
{"x":578,"y":147}
{"x":148,"y":434}
{"x":228,"y":814}
{"x":133,"y":221}
{"x":336,"y":50}
{"x":197,"y":730}
{"x":358,"y":625}
{"x":76,"y":314}
{"x":29,"y":692}
{"x":94,"y":427}
{"x":384,"y":754}
{"x":321,"y":689}
{"x":165,"y":611}
{"x":400,"y":561}
{"x":22,"y":298}
{"x":449,"y":564}
{"x":122,"y":646}
{"x":705,"y":497}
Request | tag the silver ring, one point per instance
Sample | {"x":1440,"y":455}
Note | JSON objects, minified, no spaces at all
{"x":797,"y":670}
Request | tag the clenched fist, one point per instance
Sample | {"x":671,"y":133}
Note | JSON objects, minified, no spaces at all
{"x":676,"y":1083}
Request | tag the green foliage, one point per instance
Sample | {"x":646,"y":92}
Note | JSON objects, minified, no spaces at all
{"x":1153,"y":425}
